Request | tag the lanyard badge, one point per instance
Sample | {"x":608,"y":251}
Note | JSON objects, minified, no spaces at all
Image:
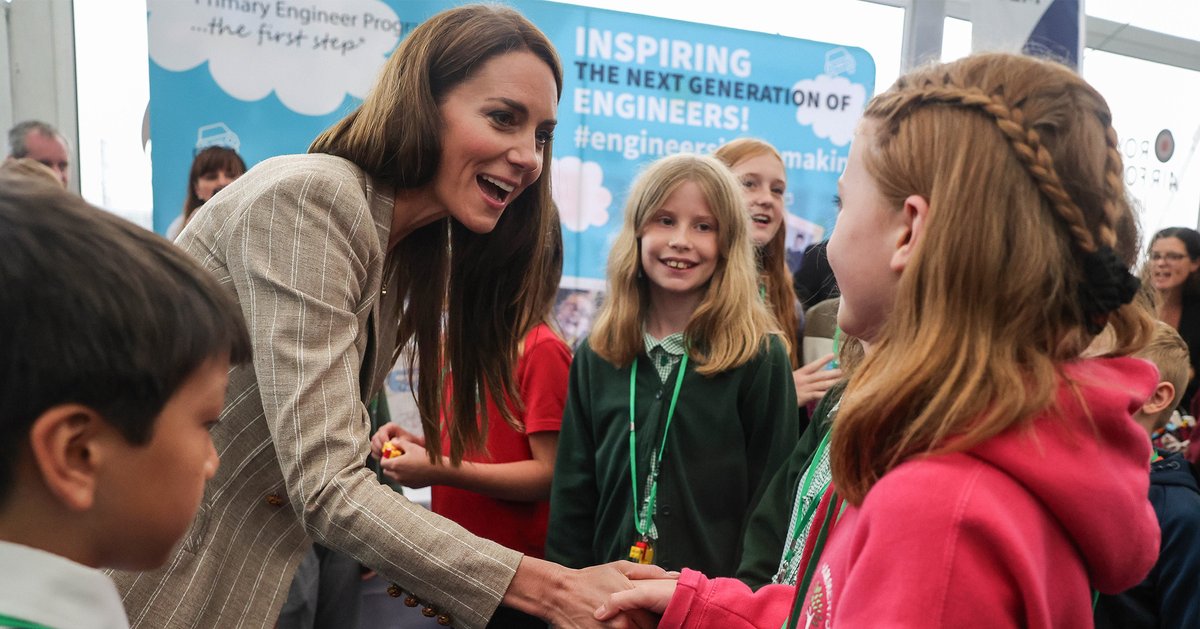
{"x":642,"y":551}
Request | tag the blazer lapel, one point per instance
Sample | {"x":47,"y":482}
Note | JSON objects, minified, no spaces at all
{"x":384,"y":317}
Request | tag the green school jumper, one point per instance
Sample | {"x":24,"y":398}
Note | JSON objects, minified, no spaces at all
{"x":767,"y":529}
{"x":730,"y":432}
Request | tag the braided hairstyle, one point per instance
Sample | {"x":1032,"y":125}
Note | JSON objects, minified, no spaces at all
{"x":1024,"y":256}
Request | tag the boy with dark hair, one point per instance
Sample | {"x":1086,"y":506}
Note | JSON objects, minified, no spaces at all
{"x":114,"y":353}
{"x":1167,"y":598}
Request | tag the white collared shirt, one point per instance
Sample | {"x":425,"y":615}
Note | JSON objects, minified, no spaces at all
{"x":46,"y":589}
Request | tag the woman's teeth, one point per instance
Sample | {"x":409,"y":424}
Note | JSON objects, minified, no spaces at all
{"x":495,"y":188}
{"x":677,"y":264}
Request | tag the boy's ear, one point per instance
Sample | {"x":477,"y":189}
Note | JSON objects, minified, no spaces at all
{"x":63,"y":441}
{"x":1162,"y":397}
{"x":912,"y":218}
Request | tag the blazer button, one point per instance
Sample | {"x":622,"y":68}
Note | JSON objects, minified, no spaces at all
{"x":444,"y":620}
{"x":665,"y":510}
{"x":429,"y":612}
{"x":275,"y":500}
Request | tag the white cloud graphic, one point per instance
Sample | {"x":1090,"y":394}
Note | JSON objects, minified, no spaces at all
{"x":831,"y":105}
{"x":580,"y":193}
{"x":310,"y":55}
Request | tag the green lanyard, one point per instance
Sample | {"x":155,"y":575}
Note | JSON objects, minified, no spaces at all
{"x":807,"y":514}
{"x":833,"y":512}
{"x":17,"y":623}
{"x":643,"y":525}
{"x":837,"y":342}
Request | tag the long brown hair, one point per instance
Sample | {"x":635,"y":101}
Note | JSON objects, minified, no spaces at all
{"x":445,"y":273}
{"x":1018,"y":161}
{"x":731,"y":324}
{"x":773,"y":273}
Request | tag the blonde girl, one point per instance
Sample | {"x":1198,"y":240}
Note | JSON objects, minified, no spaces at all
{"x":984,"y":472}
{"x":680,"y":404}
{"x":759,"y":169}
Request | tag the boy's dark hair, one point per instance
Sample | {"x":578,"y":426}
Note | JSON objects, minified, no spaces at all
{"x":97,"y":311}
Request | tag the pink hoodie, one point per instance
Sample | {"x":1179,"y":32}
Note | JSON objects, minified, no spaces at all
{"x":1014,"y":532}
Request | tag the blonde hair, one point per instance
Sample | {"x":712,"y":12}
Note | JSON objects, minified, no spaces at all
{"x":30,"y":168}
{"x":731,"y":324}
{"x":1168,"y":351}
{"x":773,"y":272}
{"x":1018,"y":161}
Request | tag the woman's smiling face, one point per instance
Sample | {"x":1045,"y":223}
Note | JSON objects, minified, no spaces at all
{"x":496,"y":126}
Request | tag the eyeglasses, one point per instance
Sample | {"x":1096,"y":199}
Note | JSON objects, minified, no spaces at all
{"x":1170,"y":256}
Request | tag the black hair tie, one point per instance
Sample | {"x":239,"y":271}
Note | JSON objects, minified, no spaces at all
{"x":1107,"y":285}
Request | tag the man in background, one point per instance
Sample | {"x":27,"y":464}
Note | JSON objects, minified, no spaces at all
{"x":42,"y":143}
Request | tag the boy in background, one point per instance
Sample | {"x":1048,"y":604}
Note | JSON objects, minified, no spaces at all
{"x":114,"y":350}
{"x":1167,"y":598}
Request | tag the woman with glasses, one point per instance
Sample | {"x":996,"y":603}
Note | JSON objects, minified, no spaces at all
{"x":1173,"y":266}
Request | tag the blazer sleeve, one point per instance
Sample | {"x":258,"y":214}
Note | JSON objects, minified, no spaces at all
{"x":573,"y":493}
{"x":300,"y":261}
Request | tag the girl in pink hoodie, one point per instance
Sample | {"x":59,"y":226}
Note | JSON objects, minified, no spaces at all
{"x":983,"y":473}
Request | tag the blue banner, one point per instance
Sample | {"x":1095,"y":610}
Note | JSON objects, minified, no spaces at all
{"x":265,"y":77}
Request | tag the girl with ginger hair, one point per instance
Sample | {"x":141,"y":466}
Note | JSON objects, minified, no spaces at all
{"x":759,"y":169}
{"x":981,"y":468}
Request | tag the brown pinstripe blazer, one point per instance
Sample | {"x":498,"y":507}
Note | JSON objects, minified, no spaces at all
{"x":301,"y":241}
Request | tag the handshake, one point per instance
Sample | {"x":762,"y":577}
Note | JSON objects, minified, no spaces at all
{"x":616,"y":594}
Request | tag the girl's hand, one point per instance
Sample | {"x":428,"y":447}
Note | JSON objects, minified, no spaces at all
{"x":652,"y":595}
{"x":813,"y":380}
{"x":411,"y":467}
{"x":391,"y":432}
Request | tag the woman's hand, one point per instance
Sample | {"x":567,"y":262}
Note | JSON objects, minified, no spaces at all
{"x":568,"y":598}
{"x":652,"y":595}
{"x":411,"y":467}
{"x":391,"y":432}
{"x":813,"y":380}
